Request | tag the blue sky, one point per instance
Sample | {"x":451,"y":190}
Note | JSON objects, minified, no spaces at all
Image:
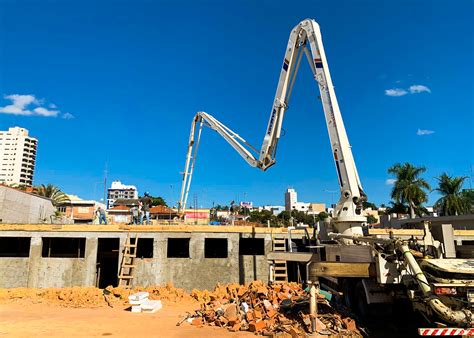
{"x":119,"y":82}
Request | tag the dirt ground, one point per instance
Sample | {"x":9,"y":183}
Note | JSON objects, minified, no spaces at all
{"x":85,"y":312}
{"x":24,"y":318}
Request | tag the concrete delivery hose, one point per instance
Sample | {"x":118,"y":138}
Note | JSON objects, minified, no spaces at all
{"x":461,"y":317}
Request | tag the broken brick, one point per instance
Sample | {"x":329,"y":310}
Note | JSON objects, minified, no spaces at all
{"x":257,"y":314}
{"x":197,"y":321}
{"x":257,"y":326}
{"x":295,"y":333}
{"x":271,"y":313}
{"x":350,"y":324}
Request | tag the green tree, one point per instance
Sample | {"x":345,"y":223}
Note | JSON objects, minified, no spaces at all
{"x":158,"y":200}
{"x":284,"y":218}
{"x":261,"y":216}
{"x":468,"y":194}
{"x":371,"y":219}
{"x":244,"y":211}
{"x":322,"y":215}
{"x":366,"y":205}
{"x":452,"y":201}
{"x":409,"y":188}
{"x":52,"y":192}
{"x":397,"y":208}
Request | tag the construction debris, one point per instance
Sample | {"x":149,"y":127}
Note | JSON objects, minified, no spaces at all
{"x":140,"y":303}
{"x":277,"y":310}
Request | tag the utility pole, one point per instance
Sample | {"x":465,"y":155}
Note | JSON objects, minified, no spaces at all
{"x":171,"y":186}
{"x":105,"y":185}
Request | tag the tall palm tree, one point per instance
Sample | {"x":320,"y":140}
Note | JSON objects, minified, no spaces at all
{"x":52,"y":192}
{"x":452,"y":201}
{"x":409,"y":188}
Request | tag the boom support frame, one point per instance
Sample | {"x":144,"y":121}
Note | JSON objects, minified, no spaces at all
{"x":305,"y":38}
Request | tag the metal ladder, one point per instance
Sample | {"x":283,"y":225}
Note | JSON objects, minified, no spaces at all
{"x":280,"y":272}
{"x":127,"y":266}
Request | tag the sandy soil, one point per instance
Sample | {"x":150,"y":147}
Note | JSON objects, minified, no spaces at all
{"x":24,"y":318}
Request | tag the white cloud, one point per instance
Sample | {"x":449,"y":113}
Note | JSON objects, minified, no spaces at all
{"x":45,"y":112}
{"x":29,"y":105}
{"x":67,"y":116}
{"x":421,"y":132}
{"x":395,"y":92}
{"x":19,"y":104}
{"x":416,"y":89}
{"x":390,"y":181}
{"x":413,"y":89}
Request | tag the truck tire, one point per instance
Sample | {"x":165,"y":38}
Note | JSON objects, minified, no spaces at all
{"x":362,"y":308}
{"x":348,"y":290}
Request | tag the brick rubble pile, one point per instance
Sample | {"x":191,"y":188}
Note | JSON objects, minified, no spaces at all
{"x":279,"y":310}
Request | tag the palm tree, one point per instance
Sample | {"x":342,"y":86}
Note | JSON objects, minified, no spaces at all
{"x":409,"y":187}
{"x":452,"y":201}
{"x":52,"y":192}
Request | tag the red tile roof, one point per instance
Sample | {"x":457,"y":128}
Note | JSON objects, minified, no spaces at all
{"x":161,"y":209}
{"x":120,"y":208}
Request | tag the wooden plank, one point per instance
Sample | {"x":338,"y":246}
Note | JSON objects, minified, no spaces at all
{"x":291,"y":256}
{"x":145,"y":228}
{"x":400,"y":232}
{"x":463,"y":232}
{"x":338,"y":269}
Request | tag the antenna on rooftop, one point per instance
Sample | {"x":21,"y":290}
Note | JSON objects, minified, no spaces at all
{"x":105,"y":184}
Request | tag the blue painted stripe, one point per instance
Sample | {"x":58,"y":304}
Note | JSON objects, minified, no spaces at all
{"x":285,"y":66}
{"x":319,"y":65}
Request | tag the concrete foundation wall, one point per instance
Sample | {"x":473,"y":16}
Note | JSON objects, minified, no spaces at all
{"x":21,"y":207}
{"x":195,"y":272}
{"x":13,"y":272}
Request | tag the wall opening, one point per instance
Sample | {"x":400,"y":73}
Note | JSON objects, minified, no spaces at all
{"x":107,"y":262}
{"x":61,"y":247}
{"x":178,"y":248}
{"x":215,"y":248}
{"x":145,"y":248}
{"x":251,"y":246}
{"x":15,"y":246}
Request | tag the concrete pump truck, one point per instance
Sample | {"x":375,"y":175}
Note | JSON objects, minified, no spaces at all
{"x":368,"y":269}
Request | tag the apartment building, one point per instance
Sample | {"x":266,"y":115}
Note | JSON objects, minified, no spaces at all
{"x":118,"y":190}
{"x":291,"y":201}
{"x":17,"y":157}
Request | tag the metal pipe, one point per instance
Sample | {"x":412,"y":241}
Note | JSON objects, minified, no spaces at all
{"x":313,"y":306}
{"x":334,"y":235}
{"x":460,"y":317}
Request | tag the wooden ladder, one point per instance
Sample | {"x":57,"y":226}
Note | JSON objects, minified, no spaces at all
{"x":127,"y":267}
{"x":280,"y":273}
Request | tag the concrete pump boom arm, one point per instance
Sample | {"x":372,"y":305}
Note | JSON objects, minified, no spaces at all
{"x":305,"y":35}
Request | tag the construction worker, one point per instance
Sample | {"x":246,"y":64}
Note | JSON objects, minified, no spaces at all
{"x":145,"y":202}
{"x":102,"y":215}
{"x":135,"y":214}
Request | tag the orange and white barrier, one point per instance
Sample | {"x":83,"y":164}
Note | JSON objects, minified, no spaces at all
{"x":446,"y":332}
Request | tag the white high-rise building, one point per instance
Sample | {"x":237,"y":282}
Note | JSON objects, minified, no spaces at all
{"x":17,"y":157}
{"x":291,"y":197}
{"x":291,"y":201}
{"x":118,"y":190}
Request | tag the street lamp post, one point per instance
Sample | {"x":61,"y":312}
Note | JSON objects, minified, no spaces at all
{"x":171,"y":186}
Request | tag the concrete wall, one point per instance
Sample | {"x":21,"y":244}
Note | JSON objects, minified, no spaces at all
{"x":21,"y":207}
{"x":188,"y":273}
